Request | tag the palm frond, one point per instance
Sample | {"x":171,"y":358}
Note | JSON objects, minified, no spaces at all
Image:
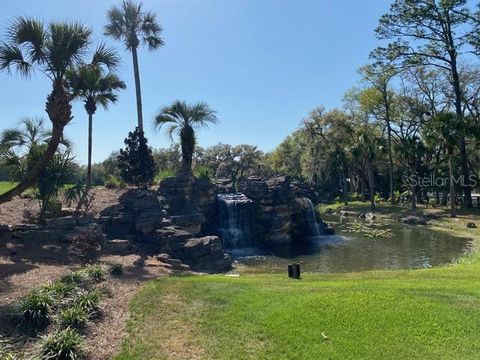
{"x":11,"y":57}
{"x":106,"y":56}
{"x":115,"y":27}
{"x":31,"y":34}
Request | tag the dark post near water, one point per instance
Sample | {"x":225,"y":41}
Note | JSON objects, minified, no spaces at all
{"x":294,"y":271}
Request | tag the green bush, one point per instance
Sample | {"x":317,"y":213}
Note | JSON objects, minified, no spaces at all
{"x":64,"y":344}
{"x":114,"y":182}
{"x":35,"y":309}
{"x":89,"y":301}
{"x":73,"y":278}
{"x":116,"y":269}
{"x":94,"y":272}
{"x":75,"y":317}
{"x":58,"y":290}
{"x":203,"y":172}
{"x":163,"y":174}
{"x":80,"y":196}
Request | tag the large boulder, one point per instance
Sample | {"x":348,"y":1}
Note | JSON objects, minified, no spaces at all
{"x":190,"y":222}
{"x":176,"y":191}
{"x":206,"y":254}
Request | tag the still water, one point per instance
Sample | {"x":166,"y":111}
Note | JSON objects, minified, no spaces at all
{"x":404,"y":247}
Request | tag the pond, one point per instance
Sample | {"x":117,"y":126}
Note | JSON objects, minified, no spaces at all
{"x":380,"y":245}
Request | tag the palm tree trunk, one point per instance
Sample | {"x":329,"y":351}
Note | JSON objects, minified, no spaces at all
{"x":136,"y":74}
{"x":452,"y":184}
{"x":89,"y":165}
{"x":390,"y":162}
{"x":371,"y":183}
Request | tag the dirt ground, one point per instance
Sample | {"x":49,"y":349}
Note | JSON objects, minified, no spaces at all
{"x":21,"y":210}
{"x":24,"y":267}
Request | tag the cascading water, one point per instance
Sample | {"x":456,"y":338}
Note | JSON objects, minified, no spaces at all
{"x":313,"y":224}
{"x":237,"y":213}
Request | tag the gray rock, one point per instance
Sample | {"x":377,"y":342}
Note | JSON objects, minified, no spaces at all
{"x":206,"y":254}
{"x":62,"y":223}
{"x":413,"y":220}
{"x":191,"y":222}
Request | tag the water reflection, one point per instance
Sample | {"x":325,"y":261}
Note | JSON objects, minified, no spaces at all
{"x":408,"y":247}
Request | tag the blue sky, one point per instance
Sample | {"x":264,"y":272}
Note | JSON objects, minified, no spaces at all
{"x":261,"y":64}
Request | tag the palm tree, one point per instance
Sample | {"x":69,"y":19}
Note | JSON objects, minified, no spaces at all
{"x":31,"y":46}
{"x":447,"y":128}
{"x":368,"y":149}
{"x":132,"y":26}
{"x":92,"y":84}
{"x":183,"y":119}
{"x":24,"y":143}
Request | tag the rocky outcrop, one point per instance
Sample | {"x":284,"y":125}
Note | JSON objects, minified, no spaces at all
{"x":206,"y":253}
{"x":274,"y":206}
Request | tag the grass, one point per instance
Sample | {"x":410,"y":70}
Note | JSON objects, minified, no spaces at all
{"x":6,"y":185}
{"x":405,"y":314}
{"x":422,"y":314}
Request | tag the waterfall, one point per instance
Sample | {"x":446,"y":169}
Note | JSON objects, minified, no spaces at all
{"x":315,"y":227}
{"x":237,"y":214}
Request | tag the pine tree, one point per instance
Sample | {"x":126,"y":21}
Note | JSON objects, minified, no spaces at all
{"x":136,"y":163}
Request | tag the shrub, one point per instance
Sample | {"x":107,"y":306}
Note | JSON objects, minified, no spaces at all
{"x":59,"y":290}
{"x":64,"y":344}
{"x":51,"y":181}
{"x":80,"y":196}
{"x":94,"y":272}
{"x":136,"y":163}
{"x":163,"y":174}
{"x":73,"y":278}
{"x":86,"y":244}
{"x":114,"y":183}
{"x":203,"y":172}
{"x":116,"y":269}
{"x":75,"y":317}
{"x":35,"y":309}
{"x":89,"y":301}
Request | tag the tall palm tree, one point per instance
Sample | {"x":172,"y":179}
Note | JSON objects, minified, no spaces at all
{"x":133,"y":26}
{"x":92,"y":84}
{"x":183,"y":119}
{"x":32,"y":46}
{"x":368,"y":149}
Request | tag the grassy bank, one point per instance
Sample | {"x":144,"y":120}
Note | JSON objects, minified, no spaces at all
{"x":6,"y":185}
{"x":413,"y":314}
{"x":424,"y":314}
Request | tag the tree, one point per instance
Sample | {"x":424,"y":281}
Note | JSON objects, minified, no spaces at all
{"x":133,"y":26}
{"x":95,"y":86}
{"x":379,"y":76}
{"x":368,"y":148}
{"x":51,"y":50}
{"x":183,"y":119}
{"x":236,"y":162}
{"x":447,"y":128}
{"x":136,"y":163}
{"x":17,"y":145}
{"x":430,"y":33}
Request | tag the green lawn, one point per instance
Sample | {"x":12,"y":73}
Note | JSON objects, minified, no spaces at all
{"x":421,"y":314}
{"x":6,"y":185}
